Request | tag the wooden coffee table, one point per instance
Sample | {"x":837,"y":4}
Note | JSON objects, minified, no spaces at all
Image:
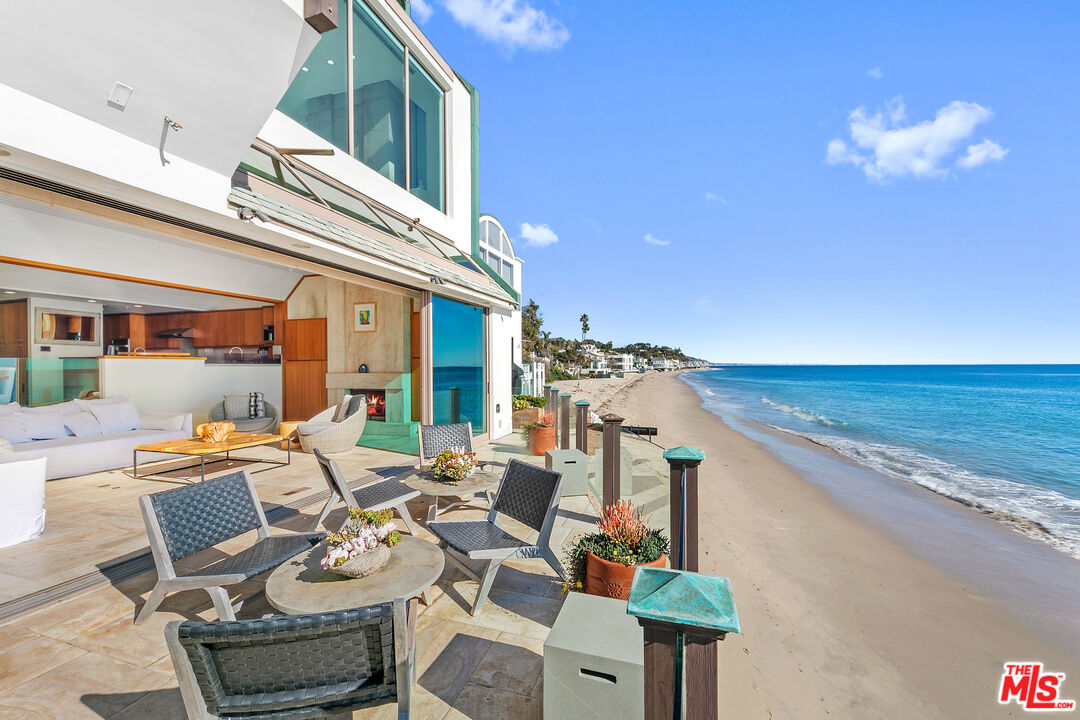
{"x":300,"y":586}
{"x":202,"y":450}
{"x":482,"y":482}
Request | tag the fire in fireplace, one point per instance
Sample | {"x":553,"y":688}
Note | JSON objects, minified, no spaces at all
{"x":376,"y":403}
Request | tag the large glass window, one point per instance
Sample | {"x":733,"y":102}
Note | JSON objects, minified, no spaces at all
{"x":425,"y":136}
{"x":378,"y":96}
{"x":317,"y":98}
{"x":458,"y":353}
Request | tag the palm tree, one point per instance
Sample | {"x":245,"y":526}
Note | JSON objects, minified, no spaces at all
{"x":584,"y":326}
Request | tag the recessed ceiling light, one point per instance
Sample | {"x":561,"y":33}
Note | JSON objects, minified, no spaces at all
{"x":138,"y":306}
{"x":305,"y":69}
{"x":9,"y":292}
{"x":93,"y":301}
{"x":329,"y":62}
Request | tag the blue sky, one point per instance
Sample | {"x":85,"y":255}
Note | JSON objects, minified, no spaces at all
{"x":940,"y":225}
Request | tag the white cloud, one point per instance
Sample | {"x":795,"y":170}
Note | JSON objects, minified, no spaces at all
{"x":513,"y":24}
{"x":885,"y":145}
{"x":538,"y":235}
{"x":713,"y":197}
{"x":984,"y":152}
{"x":421,"y":11}
{"x":653,"y":240}
{"x":874,"y":72}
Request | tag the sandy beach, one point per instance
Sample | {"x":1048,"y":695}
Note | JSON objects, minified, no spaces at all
{"x":840,"y":618}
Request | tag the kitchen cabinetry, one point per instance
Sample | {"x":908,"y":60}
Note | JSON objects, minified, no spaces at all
{"x":14,"y":329}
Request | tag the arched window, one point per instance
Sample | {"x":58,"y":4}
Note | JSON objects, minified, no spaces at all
{"x":496,"y":251}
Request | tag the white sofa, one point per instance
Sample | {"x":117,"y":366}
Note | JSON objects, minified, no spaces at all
{"x":71,"y":455}
{"x":22,"y":512}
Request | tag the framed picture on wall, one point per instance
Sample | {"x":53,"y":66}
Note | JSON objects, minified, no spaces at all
{"x":364,"y":317}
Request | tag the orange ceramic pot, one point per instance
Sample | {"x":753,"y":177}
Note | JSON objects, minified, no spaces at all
{"x":541,"y":440}
{"x":611,"y":579}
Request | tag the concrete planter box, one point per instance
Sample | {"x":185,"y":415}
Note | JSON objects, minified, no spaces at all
{"x":529,"y":414}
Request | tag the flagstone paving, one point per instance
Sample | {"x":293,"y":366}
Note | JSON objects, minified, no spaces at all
{"x":82,"y":657}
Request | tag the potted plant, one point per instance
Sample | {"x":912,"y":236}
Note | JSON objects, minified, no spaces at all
{"x":453,"y":465}
{"x":526,"y":408}
{"x":362,"y":546}
{"x":540,"y":433}
{"x":602,"y":563}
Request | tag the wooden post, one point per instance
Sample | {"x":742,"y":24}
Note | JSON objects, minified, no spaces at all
{"x":683,"y":466}
{"x":700,"y":609}
{"x":564,"y":420}
{"x":582,"y":425}
{"x":612,"y":458}
{"x":552,"y":405}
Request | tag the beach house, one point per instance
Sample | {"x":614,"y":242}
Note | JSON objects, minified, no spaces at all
{"x":622,"y":362}
{"x":190,"y":208}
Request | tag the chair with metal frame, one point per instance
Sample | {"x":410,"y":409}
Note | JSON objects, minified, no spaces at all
{"x":434,"y":439}
{"x":528,"y":494}
{"x":388,"y":493}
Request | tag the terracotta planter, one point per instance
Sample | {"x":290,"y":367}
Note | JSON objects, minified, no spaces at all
{"x":541,"y":440}
{"x":610,"y":579}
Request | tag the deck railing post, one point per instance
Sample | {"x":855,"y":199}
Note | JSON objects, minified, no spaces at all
{"x":552,"y":404}
{"x":582,"y":425}
{"x":564,"y":420}
{"x":683,"y":676}
{"x":612,"y":457}
{"x":683,"y":467}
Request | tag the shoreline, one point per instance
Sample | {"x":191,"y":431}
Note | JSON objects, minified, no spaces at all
{"x":842,"y":616}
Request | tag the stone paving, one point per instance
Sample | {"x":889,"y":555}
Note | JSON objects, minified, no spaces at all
{"x":82,"y":657}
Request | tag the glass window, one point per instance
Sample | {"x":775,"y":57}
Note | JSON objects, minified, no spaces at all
{"x":318,"y":96}
{"x":458,"y":353}
{"x":426,"y":136}
{"x":378,"y":95}
{"x":273,"y":170}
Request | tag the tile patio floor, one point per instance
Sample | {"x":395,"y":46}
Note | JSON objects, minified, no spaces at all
{"x":82,"y":657}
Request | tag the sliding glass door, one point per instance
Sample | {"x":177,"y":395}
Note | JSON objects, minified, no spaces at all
{"x":458,"y":354}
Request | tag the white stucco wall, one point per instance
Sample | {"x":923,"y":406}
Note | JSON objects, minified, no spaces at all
{"x":505,"y":338}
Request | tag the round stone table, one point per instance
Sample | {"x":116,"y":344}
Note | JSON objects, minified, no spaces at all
{"x":301,"y":586}
{"x":482,"y":482}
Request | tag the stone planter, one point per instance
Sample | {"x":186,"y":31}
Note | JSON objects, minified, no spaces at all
{"x":611,"y":579}
{"x":529,"y":414}
{"x":541,"y":440}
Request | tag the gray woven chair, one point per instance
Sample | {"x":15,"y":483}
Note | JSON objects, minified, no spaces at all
{"x":389,"y":493}
{"x":186,"y":520}
{"x":322,"y":433}
{"x":251,"y":425}
{"x":528,"y":494}
{"x":436,"y":438}
{"x":297,"y":666}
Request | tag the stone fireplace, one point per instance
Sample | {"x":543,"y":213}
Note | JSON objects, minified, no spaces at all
{"x":376,"y":403}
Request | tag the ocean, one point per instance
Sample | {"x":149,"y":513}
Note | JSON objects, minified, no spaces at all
{"x":1003,"y":439}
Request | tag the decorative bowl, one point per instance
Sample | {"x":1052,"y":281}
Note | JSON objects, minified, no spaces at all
{"x":214,"y":432}
{"x":364,"y":564}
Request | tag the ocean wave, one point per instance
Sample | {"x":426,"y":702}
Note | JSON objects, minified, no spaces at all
{"x":798,"y":412}
{"x":1037,"y":512}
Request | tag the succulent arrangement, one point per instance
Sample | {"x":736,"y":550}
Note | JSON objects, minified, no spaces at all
{"x":364,"y":531}
{"x":454,"y":465}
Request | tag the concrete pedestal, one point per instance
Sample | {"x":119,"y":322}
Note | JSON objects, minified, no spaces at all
{"x":594,"y":667}
{"x":574,"y":465}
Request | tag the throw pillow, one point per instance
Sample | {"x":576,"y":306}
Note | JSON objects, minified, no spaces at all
{"x":10,"y":408}
{"x":161,"y":421}
{"x":342,"y":409}
{"x":13,"y":430}
{"x":116,"y":417}
{"x":87,"y":404}
{"x":44,"y":425}
{"x":237,"y":407}
{"x":356,"y":404}
{"x":82,"y":424}
{"x":256,"y":406}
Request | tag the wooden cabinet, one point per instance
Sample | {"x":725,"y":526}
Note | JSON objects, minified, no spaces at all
{"x":303,"y":360}
{"x":216,"y":328}
{"x":14,"y":329}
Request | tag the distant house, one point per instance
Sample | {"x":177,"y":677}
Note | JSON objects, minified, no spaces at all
{"x":664,"y":365}
{"x":623,"y":362}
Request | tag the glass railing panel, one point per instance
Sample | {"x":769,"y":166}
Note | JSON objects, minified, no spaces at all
{"x":47,"y":381}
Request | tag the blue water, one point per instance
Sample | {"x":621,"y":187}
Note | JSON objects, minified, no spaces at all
{"x":1004,"y":439}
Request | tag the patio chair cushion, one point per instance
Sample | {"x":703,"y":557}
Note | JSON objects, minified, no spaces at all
{"x":468,"y":535}
{"x":342,"y":409}
{"x":314,"y":428}
{"x":237,"y":407}
{"x":264,"y":555}
{"x":356,"y":404}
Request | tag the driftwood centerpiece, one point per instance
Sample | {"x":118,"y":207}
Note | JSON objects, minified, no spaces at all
{"x":214,"y":432}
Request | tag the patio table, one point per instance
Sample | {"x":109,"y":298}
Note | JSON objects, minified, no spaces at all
{"x":481,"y":482}
{"x":300,"y":586}
{"x":197,"y":448}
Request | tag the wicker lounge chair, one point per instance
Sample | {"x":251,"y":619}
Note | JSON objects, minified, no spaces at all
{"x":528,"y":494}
{"x":251,"y":425}
{"x":183,"y":521}
{"x":297,"y":666}
{"x":323,"y":433}
{"x":389,"y":493}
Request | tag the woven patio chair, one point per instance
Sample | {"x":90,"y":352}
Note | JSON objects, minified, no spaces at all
{"x":436,"y":438}
{"x":389,"y":493}
{"x":185,"y":520}
{"x":267,"y":423}
{"x":297,"y":666}
{"x":323,"y":433}
{"x":528,"y":494}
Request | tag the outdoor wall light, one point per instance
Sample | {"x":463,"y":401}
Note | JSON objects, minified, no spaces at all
{"x":436,"y":280}
{"x":120,"y":96}
{"x":246,"y":213}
